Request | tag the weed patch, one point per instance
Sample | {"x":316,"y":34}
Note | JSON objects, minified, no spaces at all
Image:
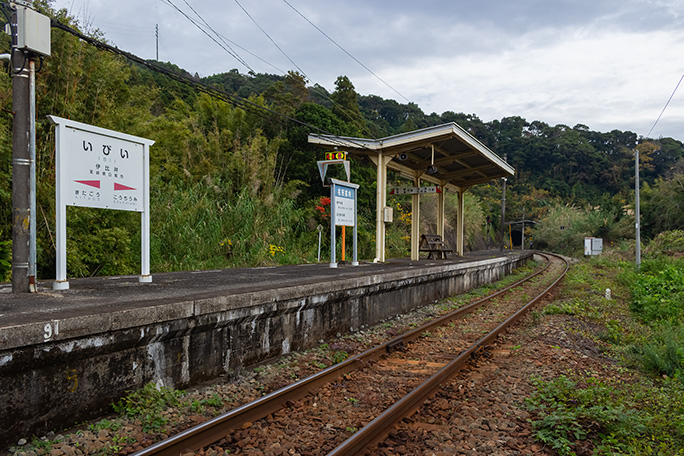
{"x":147,"y":404}
{"x":617,"y":419}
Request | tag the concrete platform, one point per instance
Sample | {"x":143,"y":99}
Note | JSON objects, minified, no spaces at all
{"x":66,"y":355}
{"x":135,"y":303}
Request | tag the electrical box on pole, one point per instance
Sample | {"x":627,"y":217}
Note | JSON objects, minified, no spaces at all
{"x":33,"y":31}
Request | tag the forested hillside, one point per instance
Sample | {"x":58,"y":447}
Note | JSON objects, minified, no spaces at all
{"x":237,"y":186}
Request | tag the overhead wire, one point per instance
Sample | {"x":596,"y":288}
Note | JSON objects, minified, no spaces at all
{"x":235,"y":100}
{"x":271,"y":39}
{"x":251,"y":53}
{"x":215,"y":32}
{"x":345,"y":51}
{"x":223,"y":38}
{"x":665,"y":107}
{"x":227,"y":49}
{"x":346,"y":111}
{"x":350,"y":114}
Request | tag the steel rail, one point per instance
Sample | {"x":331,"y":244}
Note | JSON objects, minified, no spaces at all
{"x":378,"y":429}
{"x":215,"y":429}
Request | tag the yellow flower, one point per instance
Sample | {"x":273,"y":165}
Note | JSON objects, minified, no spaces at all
{"x":275,"y":248}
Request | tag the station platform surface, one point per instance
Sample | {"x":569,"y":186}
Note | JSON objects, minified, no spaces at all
{"x":97,"y":295}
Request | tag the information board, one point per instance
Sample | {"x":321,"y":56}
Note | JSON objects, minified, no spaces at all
{"x":343,"y":213}
{"x":344,"y":205}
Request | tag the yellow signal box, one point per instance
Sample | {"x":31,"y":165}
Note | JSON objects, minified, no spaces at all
{"x":336,"y":155}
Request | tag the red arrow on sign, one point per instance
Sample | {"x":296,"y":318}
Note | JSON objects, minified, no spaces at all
{"x":122,"y":187}
{"x":95,"y":184}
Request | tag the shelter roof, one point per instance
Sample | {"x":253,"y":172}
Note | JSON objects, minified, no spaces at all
{"x":461,"y":160}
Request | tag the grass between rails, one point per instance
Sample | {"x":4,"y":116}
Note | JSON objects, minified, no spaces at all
{"x":641,"y":328}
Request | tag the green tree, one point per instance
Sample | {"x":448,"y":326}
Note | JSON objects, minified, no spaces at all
{"x":662,"y":205}
{"x":346,"y":104}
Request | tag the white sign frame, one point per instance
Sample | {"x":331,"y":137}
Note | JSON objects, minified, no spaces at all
{"x":127,"y":176}
{"x":323,"y":168}
{"x":340,"y":191}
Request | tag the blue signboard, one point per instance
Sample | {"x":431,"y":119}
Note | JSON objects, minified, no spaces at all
{"x":342,"y":213}
{"x":344,"y":205}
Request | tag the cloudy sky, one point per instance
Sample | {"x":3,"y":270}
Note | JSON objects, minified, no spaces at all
{"x":608,"y":64}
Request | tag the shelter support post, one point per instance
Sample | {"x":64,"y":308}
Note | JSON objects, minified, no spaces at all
{"x":460,"y":213}
{"x":440,"y":211}
{"x":381,"y":201}
{"x":415,"y":222}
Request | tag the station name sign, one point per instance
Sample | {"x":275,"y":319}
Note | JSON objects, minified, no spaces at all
{"x":414,"y":190}
{"x":102,"y":171}
{"x":100,"y":168}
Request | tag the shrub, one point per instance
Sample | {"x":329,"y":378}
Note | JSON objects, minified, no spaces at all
{"x":658,"y":290}
{"x":568,"y":412}
{"x":564,"y":228}
{"x":666,"y":243}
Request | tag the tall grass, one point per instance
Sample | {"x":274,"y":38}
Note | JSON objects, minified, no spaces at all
{"x":199,"y":226}
{"x":663,"y":354}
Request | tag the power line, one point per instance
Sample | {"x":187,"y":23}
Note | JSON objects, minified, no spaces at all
{"x":665,"y":107}
{"x":271,"y":39}
{"x":347,"y":112}
{"x":214,"y":31}
{"x":251,"y":53}
{"x":235,"y":100}
{"x":345,"y":51}
{"x":227,"y":49}
{"x":225,"y":39}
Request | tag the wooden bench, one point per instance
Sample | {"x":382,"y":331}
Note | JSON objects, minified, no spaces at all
{"x":433,"y":244}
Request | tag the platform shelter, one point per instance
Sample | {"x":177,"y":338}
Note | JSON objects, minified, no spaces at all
{"x":446,"y":156}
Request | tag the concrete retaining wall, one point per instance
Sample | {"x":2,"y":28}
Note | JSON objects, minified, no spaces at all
{"x":78,"y":371}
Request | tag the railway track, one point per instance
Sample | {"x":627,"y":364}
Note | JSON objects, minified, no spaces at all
{"x":372,"y":391}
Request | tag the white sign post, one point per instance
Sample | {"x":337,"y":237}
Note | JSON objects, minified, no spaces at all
{"x":100,"y":168}
{"x":343,"y":197}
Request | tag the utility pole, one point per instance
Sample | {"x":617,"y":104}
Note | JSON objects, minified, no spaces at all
{"x":503,"y":210}
{"x":30,"y":37}
{"x":522,"y":232}
{"x":638,"y":212}
{"x":21,"y":165}
{"x":156,"y":33}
